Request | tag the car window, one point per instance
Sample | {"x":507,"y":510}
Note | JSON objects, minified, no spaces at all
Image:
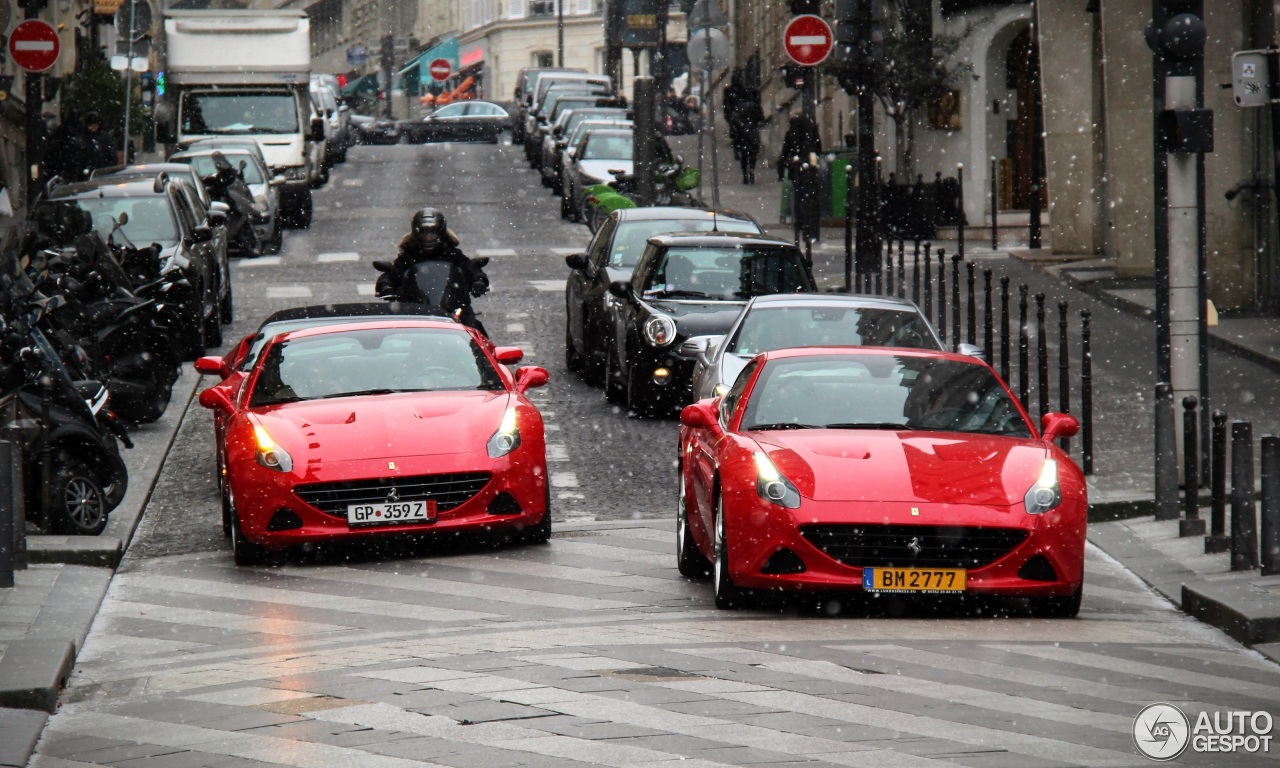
{"x":730,"y":400}
{"x":881,"y":392}
{"x":453,"y":110}
{"x":582,"y":128}
{"x":487,"y":109}
{"x":372,"y":361}
{"x":608,"y":147}
{"x":236,"y":112}
{"x":204,"y":165}
{"x":599,"y":245}
{"x":726,"y":274}
{"x":769,"y":328}
{"x":629,"y":242}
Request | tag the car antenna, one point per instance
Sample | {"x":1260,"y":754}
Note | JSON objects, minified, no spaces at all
{"x":715,"y":223}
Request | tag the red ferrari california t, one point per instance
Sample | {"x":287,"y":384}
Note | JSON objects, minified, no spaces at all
{"x":879,"y":470}
{"x":377,"y":429}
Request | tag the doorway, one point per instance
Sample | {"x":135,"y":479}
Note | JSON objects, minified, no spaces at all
{"x":1024,"y":144}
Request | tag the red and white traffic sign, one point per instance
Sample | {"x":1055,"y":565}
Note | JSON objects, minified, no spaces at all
{"x":440,"y":69}
{"x":807,"y":40}
{"x":34,"y":45}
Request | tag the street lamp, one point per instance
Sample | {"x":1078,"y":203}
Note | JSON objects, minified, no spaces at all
{"x":560,"y":31}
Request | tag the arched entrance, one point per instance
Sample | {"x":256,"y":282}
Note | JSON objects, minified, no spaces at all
{"x":1024,"y":142}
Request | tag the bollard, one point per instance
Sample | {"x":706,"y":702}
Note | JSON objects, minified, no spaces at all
{"x":995,"y":203}
{"x":1024,"y":350}
{"x":1086,"y":394}
{"x":942,"y":294}
{"x":1042,"y":357}
{"x":1004,"y":329}
{"x":1166,"y":455}
{"x":987,"y":331}
{"x":961,"y":223}
{"x":1064,"y":369}
{"x":1269,"y":525}
{"x":10,"y":516}
{"x":848,"y":230}
{"x":972,"y":335}
{"x":915,"y":276}
{"x":879,"y":276}
{"x":1244,"y":520}
{"x":46,"y":455}
{"x":1190,"y":524}
{"x":928,"y":285}
{"x":902,"y":268}
{"x":955,"y":301}
{"x":1217,"y":540}
{"x":888,"y":267}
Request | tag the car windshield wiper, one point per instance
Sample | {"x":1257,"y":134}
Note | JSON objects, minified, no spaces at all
{"x":280,"y":401}
{"x":874,"y":425}
{"x":780,"y":425}
{"x":358,"y":393}
{"x":680,"y":293}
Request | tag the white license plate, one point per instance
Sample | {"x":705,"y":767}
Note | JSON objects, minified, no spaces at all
{"x":398,"y":512}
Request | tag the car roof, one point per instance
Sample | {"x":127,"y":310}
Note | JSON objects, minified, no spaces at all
{"x":719,"y":240}
{"x":208,"y":151}
{"x":678,"y":212}
{"x":384,"y":310}
{"x":609,"y":132}
{"x":106,"y":187}
{"x":936,"y":354}
{"x":142,"y":169}
{"x":443,"y":324}
{"x":218,"y":142}
{"x":831,"y":300}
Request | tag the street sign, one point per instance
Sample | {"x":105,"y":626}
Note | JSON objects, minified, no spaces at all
{"x":1250,"y":81}
{"x":34,"y":45}
{"x":807,"y":40}
{"x":357,"y":55}
{"x":440,"y":70}
{"x":708,"y":50}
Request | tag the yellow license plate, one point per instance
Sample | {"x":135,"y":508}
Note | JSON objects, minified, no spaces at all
{"x":913,"y":579}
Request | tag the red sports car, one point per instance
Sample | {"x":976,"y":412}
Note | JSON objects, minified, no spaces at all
{"x":881,"y":470}
{"x":375,"y":429}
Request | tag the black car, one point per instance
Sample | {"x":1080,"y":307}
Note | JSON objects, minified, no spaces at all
{"x":460,"y":121}
{"x":159,"y":213}
{"x":612,"y":256}
{"x":688,"y":285}
{"x":375,"y":130}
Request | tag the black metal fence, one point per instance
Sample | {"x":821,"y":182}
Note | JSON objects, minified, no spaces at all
{"x":915,"y":210}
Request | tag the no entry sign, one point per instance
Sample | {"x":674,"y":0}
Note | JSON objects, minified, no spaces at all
{"x":440,"y":70}
{"x":807,"y":40}
{"x":34,"y":45}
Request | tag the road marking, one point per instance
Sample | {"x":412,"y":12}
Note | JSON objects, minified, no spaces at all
{"x":127,"y":609}
{"x":367,"y":289}
{"x":288,"y":292}
{"x":261,"y":261}
{"x":564,"y":480}
{"x":516,"y":328}
{"x":565,"y":251}
{"x":490,"y":252}
{"x":353,"y":182}
{"x":329,"y":258}
{"x":557,"y":452}
{"x":549,"y":286}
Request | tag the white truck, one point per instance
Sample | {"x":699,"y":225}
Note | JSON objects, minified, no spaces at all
{"x":245,"y":74}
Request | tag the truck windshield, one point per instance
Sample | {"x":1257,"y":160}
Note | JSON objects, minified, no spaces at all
{"x":239,"y":113}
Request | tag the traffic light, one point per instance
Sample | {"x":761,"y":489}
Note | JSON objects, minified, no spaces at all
{"x":806,"y":7}
{"x":387,"y":52}
{"x":859,"y":40}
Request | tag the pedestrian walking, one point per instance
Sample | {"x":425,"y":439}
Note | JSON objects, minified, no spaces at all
{"x":749,"y":119}
{"x":801,"y":147}
{"x":732,"y":100}
{"x":100,"y":147}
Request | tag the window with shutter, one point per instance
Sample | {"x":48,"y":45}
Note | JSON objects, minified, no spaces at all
{"x":585,"y":7}
{"x":515,"y":9}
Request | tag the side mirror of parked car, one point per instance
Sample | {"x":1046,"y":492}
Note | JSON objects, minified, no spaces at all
{"x":576,"y":261}
{"x":698,"y":346}
{"x":530,"y":377}
{"x":317,"y":130}
{"x":216,"y":217}
{"x":277,"y":180}
{"x":620,"y":288}
{"x":508,"y":355}
{"x":700,"y":415}
{"x":201,"y":234}
{"x":215,"y":399}
{"x":1056,"y":425}
{"x":212,"y":366}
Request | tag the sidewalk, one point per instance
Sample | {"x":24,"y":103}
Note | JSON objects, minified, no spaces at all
{"x":1243,"y":604}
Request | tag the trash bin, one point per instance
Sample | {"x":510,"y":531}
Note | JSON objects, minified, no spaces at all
{"x":838,"y":183}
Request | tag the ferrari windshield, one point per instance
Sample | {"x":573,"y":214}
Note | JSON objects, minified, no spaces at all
{"x":770,"y":328}
{"x":881,"y":392}
{"x":373,"y":361}
{"x":726,"y":274}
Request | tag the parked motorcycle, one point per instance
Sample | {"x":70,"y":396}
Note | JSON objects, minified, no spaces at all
{"x":437,"y":283}
{"x":673,"y":185}
{"x":227,"y":186}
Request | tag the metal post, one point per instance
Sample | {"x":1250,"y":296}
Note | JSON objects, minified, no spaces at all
{"x":1042,"y":357}
{"x":1191,"y":524}
{"x":888,"y":267}
{"x":902,"y":268}
{"x":995,"y":203}
{"x":987,"y":331}
{"x":1064,"y":369}
{"x":46,"y":454}
{"x":955,"y":301}
{"x":1086,"y":394}
{"x":559,"y":32}
{"x":1166,"y":455}
{"x":1037,"y":129}
{"x":1244,"y":520}
{"x":128,"y":81}
{"x":942,"y":293}
{"x":848,"y":229}
{"x":1024,"y":349}
{"x":928,"y":282}
{"x":1269,"y":530}
{"x":1218,"y":540}
{"x":1004,"y":329}
{"x":960,"y":224}
{"x":645,"y":137}
{"x":879,"y":276}
{"x":972,"y":336}
{"x":8,"y":514}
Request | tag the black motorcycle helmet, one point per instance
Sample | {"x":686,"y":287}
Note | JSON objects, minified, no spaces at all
{"x":429,"y":228}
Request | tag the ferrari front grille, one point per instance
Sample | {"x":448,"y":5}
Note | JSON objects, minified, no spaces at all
{"x":913,"y":546}
{"x":448,"y":491}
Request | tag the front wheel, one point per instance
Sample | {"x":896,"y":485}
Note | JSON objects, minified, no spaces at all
{"x":727,"y":594}
{"x":689,"y":560}
{"x":572,"y":357}
{"x":1058,"y":607}
{"x":540,"y":533}
{"x":615,"y":389}
{"x":243,"y":551}
{"x":78,"y":504}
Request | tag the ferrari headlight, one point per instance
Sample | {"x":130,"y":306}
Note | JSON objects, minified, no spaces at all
{"x":1045,"y":494}
{"x":772,"y":486}
{"x":507,"y":438}
{"x":270,"y":454}
{"x":659,"y":331}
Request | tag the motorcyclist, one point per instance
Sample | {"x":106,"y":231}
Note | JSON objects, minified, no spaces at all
{"x":430,"y":239}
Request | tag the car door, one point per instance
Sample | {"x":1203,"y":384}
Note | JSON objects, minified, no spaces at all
{"x":595,"y":287}
{"x":629,"y":314}
{"x":205,"y":254}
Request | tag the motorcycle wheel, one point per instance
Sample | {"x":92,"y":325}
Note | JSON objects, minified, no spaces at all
{"x":78,"y":504}
{"x":144,"y":410}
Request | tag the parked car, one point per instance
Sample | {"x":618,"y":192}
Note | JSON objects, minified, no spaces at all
{"x":561,"y":136}
{"x":883,"y":471}
{"x":525,"y":81}
{"x":686,"y":285}
{"x":612,"y":256}
{"x":824,"y":320}
{"x":266,"y":200}
{"x":460,"y":121}
{"x":596,"y":156}
{"x":375,"y":130}
{"x":160,"y":212}
{"x":326,"y":441}
{"x":336,"y":112}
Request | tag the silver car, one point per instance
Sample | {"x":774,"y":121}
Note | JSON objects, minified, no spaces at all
{"x":778,"y":321}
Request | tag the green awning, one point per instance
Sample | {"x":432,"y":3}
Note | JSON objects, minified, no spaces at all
{"x":415,"y":70}
{"x":366,"y":86}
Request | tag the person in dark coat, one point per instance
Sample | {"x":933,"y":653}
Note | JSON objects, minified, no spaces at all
{"x":800,"y":141}
{"x":800,"y":149}
{"x":430,"y":239}
{"x":100,"y":147}
{"x":732,"y":101}
{"x":748,"y":118}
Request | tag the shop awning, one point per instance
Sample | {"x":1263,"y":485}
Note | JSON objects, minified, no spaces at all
{"x":415,"y":71}
{"x":367,"y":85}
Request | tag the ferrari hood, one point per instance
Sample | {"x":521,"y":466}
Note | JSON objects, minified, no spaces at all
{"x":385,"y":426}
{"x":907,"y":467}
